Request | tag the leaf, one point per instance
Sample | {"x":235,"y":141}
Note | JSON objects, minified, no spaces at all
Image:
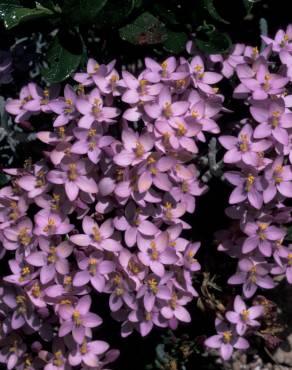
{"x":166,"y":13}
{"x":215,"y":43}
{"x":209,"y":6}
{"x":7,"y":5}
{"x":146,"y":29}
{"x":13,"y":14}
{"x":176,"y":42}
{"x":114,"y":13}
{"x":3,"y":179}
{"x":45,"y":3}
{"x":82,"y":11}
{"x":63,"y":57}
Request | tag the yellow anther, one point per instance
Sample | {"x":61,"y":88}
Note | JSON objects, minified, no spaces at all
{"x":249,"y":182}
{"x":181,"y":129}
{"x":72,"y":172}
{"x":227,"y":336}
{"x":76,"y":317}
{"x":167,"y":109}
{"x":24,"y":237}
{"x":96,"y":234}
{"x":139,"y":150}
{"x":245,"y":315}
{"x":153,"y":285}
{"x":243,"y":146}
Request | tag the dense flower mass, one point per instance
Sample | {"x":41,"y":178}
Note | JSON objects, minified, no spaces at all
{"x":103,"y":210}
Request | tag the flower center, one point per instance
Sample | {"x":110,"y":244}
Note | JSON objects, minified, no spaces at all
{"x":51,"y":224}
{"x":96,"y":109}
{"x":139,"y":150}
{"x":76,"y":317}
{"x":167,"y":110}
{"x":96,"y":234}
{"x":249,"y":182}
{"x":23,"y":236}
{"x":245,"y":315}
{"x":58,"y":359}
{"x":72,"y":172}
{"x":275,"y":118}
{"x":181,"y":129}
{"x":52,"y":257}
{"x":152,"y":283}
{"x":243,"y":146}
{"x":227,"y":336}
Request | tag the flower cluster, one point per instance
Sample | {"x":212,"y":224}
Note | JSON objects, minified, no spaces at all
{"x":102,"y":211}
{"x":258,"y":161}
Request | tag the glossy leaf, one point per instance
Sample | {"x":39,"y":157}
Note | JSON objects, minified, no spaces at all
{"x":176,"y":42}
{"x":146,"y":29}
{"x":209,"y":6}
{"x":114,"y":13}
{"x":82,"y":11}
{"x":7,"y":5}
{"x":13,"y":14}
{"x":214,"y":43}
{"x":62,"y":59}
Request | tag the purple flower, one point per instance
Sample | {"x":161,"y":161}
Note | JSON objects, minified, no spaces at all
{"x":64,"y":107}
{"x":273,"y":120}
{"x":261,"y":235}
{"x":51,"y":223}
{"x":165,"y":108}
{"x":88,"y":353}
{"x":175,"y":309}
{"x":244,"y":317}
{"x":248,"y":187}
{"x":97,"y":236}
{"x":136,"y":148}
{"x":52,"y":259}
{"x":259,"y":81}
{"x":77,"y":319}
{"x":243,"y":148}
{"x":95,"y":270}
{"x":225,"y":341}
{"x":74,"y":176}
{"x":134,"y":222}
{"x":277,"y":178}
{"x":155,"y":252}
{"x":93,"y":110}
{"x":201,"y":78}
{"x":252,"y":274}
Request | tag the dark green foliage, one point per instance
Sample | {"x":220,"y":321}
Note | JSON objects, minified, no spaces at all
{"x":130,"y":29}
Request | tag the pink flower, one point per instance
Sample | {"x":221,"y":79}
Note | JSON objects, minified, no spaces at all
{"x":74,"y":176}
{"x":77,"y":319}
{"x":97,"y":236}
{"x":93,"y":110}
{"x":242,"y":316}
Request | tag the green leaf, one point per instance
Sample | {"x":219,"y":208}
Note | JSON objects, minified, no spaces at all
{"x":214,"y":43}
{"x":114,"y":13}
{"x":7,"y":5}
{"x":46,"y":4}
{"x":146,"y":29}
{"x":13,"y":14}
{"x":166,"y":13}
{"x":176,"y":42}
{"x":3,"y":179}
{"x":82,"y":11}
{"x":209,"y":6}
{"x":63,"y":57}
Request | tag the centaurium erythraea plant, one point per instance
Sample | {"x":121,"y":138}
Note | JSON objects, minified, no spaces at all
{"x":103,"y":210}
